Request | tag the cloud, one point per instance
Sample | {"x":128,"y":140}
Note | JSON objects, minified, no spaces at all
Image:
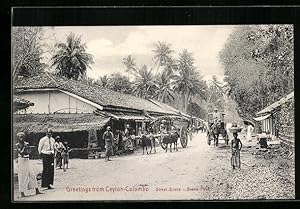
{"x":204,"y":42}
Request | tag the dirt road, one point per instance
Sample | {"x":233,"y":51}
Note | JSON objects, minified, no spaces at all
{"x":196,"y":172}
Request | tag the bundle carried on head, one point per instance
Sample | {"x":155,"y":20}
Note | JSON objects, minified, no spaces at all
{"x":235,"y":129}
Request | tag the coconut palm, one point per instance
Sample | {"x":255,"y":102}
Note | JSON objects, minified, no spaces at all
{"x":162,"y":54}
{"x":164,"y":84}
{"x":130,"y":64}
{"x":71,"y":59}
{"x":189,"y":82}
{"x":217,"y":88}
{"x":103,"y":81}
{"x":144,"y":85}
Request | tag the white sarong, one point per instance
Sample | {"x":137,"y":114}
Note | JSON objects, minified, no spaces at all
{"x":26,"y":176}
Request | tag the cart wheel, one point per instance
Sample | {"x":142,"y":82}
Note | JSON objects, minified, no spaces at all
{"x":183,"y":136}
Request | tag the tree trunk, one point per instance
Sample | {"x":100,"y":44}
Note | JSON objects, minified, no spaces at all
{"x":182,"y":102}
{"x":185,"y":99}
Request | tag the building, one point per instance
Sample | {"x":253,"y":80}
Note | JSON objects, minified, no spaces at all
{"x":278,"y":119}
{"x":79,"y":111}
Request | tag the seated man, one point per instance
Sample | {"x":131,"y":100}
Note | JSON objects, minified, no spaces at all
{"x":217,"y":115}
{"x":262,"y":140}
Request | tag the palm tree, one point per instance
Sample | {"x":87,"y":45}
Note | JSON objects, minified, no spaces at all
{"x":71,"y":59}
{"x":103,"y":81}
{"x":130,"y":64}
{"x":144,"y":85}
{"x":162,"y":54}
{"x":189,"y":82}
{"x":164,"y":84}
{"x":217,"y":88}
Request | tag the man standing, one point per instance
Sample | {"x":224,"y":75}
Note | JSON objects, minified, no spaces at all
{"x":108,"y":138}
{"x":46,"y":150}
{"x":249,"y":132}
{"x":26,"y":176}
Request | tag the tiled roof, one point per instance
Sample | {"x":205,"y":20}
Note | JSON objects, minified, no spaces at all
{"x":95,"y":93}
{"x":168,"y":107}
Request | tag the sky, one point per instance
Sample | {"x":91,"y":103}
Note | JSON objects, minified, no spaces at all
{"x":110,"y":44}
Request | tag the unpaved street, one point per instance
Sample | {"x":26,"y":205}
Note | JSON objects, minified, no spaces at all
{"x":196,"y":172}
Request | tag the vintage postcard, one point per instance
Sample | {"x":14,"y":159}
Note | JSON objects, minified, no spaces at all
{"x":198,"y":112}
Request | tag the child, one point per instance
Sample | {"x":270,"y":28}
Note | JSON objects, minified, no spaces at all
{"x":65,"y":156}
{"x":236,"y":146}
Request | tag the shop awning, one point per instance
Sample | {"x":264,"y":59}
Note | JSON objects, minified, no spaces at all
{"x":262,"y":117}
{"x":39,"y":123}
{"x":124,"y":115}
{"x":130,"y":116}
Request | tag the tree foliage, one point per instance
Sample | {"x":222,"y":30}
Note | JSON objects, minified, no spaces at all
{"x":162,"y":54}
{"x":71,"y":59}
{"x":179,"y":78}
{"x":188,"y":81}
{"x":163,"y":82}
{"x":258,"y":64}
{"x":27,"y":51}
{"x":144,"y":85}
{"x":116,"y":82}
{"x":130,"y":64}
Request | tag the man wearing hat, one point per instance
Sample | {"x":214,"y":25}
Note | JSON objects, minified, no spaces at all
{"x":58,"y":148}
{"x":216,"y":115}
{"x":46,"y":150}
{"x":108,"y":137}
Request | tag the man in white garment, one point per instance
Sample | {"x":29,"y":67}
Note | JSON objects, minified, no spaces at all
{"x":46,"y":150}
{"x":250,"y":129}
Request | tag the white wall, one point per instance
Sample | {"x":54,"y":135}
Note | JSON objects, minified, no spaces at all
{"x":54,"y":101}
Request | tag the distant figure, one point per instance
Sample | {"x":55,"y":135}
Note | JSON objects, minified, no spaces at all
{"x":120,"y":140}
{"x":162,"y":130}
{"x":250,"y":129}
{"x":140,"y":131}
{"x":108,"y":138}
{"x":216,"y":115}
{"x":163,"y":127}
{"x":58,"y":148}
{"x":65,"y":156}
{"x":26,"y":176}
{"x":128,"y":131}
{"x":129,"y":134}
{"x":262,"y":139}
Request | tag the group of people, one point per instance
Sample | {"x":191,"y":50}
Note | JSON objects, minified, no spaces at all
{"x":109,"y":139}
{"x":49,"y":149}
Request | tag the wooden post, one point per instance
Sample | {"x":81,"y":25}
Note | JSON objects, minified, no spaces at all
{"x":92,"y":141}
{"x":48,"y":102}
